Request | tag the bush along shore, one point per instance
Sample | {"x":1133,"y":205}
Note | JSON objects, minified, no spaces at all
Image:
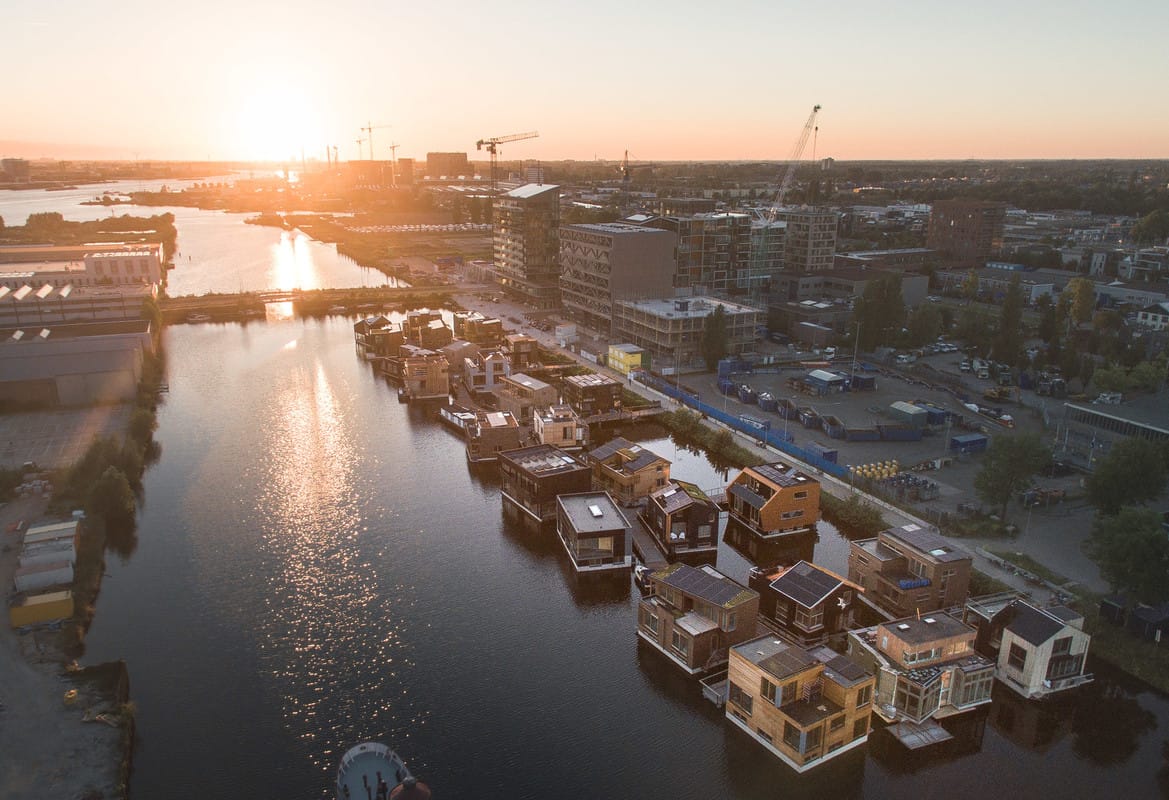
{"x":106,"y":483}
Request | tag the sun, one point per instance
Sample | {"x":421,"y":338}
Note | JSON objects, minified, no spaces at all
{"x":275,"y":122}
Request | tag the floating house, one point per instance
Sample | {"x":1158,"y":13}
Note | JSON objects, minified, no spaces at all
{"x":926,"y":667}
{"x":774,"y":509}
{"x":595,"y":534}
{"x":491,"y":433}
{"x":627,"y":471}
{"x":804,"y":602}
{"x":561,"y":427}
{"x":683,"y":521}
{"x":532,"y":477}
{"x":694,"y":614}
{"x":804,"y":707}
{"x":1037,"y":651}
{"x":909,"y":569}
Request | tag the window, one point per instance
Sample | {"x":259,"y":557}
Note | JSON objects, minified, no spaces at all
{"x":1061,"y":646}
{"x":740,"y":698}
{"x":1017,"y":657}
{"x":764,"y":735}
{"x":680,"y":643}
{"x":813,"y":740}
{"x":731,"y":621}
{"x":837,"y":723}
{"x":649,"y":620}
{"x":860,"y":727}
{"x":789,"y":693}
{"x":767,"y":690}
{"x":800,"y":495}
{"x":791,"y":735}
{"x":810,"y":620}
{"x":864,"y":696}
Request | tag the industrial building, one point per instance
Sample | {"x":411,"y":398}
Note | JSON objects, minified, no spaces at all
{"x":1089,"y":431}
{"x":713,"y":251}
{"x":447,"y":165}
{"x":603,"y":263}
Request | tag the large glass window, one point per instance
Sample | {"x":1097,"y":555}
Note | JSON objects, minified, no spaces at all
{"x":1017,"y":657}
{"x":740,"y":698}
{"x":767,"y":689}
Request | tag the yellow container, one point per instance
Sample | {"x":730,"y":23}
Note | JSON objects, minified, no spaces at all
{"x":39,"y":608}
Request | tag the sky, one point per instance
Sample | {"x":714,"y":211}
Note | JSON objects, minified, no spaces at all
{"x":220,"y":80}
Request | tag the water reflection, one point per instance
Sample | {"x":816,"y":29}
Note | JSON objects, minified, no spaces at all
{"x":1109,"y":722}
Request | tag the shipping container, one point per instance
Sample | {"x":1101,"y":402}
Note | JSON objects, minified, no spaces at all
{"x":832,"y":426}
{"x":788,"y":409}
{"x":934,"y":414}
{"x":42,"y":576}
{"x":969,"y":443}
{"x":899,"y":433}
{"x":862,"y":435}
{"x":746,"y":394}
{"x":768,"y":402}
{"x":809,"y":418}
{"x":48,"y":553}
{"x":39,"y":608}
{"x":826,"y":453}
{"x":727,"y":386}
{"x":862,"y":383}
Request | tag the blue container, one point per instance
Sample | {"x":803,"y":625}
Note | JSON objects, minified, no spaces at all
{"x":826,"y":453}
{"x":899,"y":433}
{"x":746,"y":394}
{"x":727,"y":386}
{"x":832,"y":426}
{"x":767,"y":401}
{"x":862,"y":435}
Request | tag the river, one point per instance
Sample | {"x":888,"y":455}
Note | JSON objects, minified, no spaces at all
{"x":217,"y":252}
{"x":316,"y":565}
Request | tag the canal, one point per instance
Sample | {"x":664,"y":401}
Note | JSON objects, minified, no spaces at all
{"x":316,"y":565}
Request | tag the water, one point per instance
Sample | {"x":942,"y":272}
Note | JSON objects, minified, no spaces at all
{"x":217,"y":252}
{"x":316,"y":565}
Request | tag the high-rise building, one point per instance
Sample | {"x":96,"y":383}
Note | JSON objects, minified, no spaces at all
{"x":966,"y":233}
{"x":449,"y":165}
{"x":810,"y":239}
{"x":767,"y":243}
{"x":527,"y":250}
{"x":610,"y":261}
{"x":713,"y":250}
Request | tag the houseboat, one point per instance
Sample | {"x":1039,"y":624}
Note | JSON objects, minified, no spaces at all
{"x":456,"y":417}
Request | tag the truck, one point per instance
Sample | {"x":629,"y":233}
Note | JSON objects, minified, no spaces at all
{"x":980,"y":368}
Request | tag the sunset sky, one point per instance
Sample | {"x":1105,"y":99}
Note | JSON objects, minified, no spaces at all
{"x":667,"y":81}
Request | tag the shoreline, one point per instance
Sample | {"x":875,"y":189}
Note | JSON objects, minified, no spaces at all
{"x":84,"y":713}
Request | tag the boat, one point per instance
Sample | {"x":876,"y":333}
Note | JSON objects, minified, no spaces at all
{"x":456,"y":417}
{"x":198,"y":318}
{"x":338,"y":310}
{"x":372,"y":771}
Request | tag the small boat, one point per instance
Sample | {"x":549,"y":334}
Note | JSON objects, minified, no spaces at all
{"x":198,"y":318}
{"x":372,"y":771}
{"x":338,"y":310}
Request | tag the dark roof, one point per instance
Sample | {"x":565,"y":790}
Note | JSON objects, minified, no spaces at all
{"x":780,"y":474}
{"x":1152,"y":614}
{"x":841,"y":669}
{"x":679,"y":494}
{"x":609,"y":448}
{"x":927,"y":542}
{"x":1068,"y":614}
{"x":809,"y":712}
{"x":747,"y":496}
{"x":638,"y":456}
{"x":1034,"y":625}
{"x":542,"y":459}
{"x":935,"y":625}
{"x":806,"y":583}
{"x":706,"y":583}
{"x":786,"y":663}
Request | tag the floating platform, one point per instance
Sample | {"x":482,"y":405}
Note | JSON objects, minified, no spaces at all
{"x":915,"y":735}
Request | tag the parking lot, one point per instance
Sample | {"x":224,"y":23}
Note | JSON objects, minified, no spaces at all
{"x":54,"y":439}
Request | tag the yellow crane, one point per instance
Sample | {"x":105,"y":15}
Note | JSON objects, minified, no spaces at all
{"x":492,"y":147}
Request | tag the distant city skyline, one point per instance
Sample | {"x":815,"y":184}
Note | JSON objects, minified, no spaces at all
{"x":684,"y":81}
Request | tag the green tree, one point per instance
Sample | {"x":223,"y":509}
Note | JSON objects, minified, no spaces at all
{"x":1153,"y":228}
{"x":880,"y":312}
{"x":1111,"y":378}
{"x":970,"y":285}
{"x":1133,"y":553}
{"x":1009,"y":337}
{"x":141,"y":426}
{"x":714,"y":344}
{"x":112,"y":499}
{"x":1048,"y":327}
{"x":1134,"y":471}
{"x":925,"y":324}
{"x":1083,"y":299}
{"x":1008,"y":467}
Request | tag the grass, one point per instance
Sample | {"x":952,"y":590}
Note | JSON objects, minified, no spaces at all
{"x":1139,"y":657}
{"x":982,"y":584}
{"x":1031,"y":565}
{"x":854,"y":514}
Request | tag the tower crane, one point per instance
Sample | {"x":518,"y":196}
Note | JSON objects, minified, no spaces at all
{"x":793,"y":162}
{"x":368,"y":131}
{"x":626,"y":170}
{"x":492,"y":147}
{"x":360,"y":142}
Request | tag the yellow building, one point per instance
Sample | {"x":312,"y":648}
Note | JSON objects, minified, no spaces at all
{"x":627,"y":357}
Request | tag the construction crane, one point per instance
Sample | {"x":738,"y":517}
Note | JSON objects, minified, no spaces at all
{"x":793,"y":162}
{"x":626,"y":170}
{"x":360,"y":142}
{"x":492,"y":146}
{"x":394,"y":164}
{"x":368,"y":131}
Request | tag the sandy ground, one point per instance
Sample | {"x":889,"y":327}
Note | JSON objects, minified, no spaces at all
{"x":1053,"y":536}
{"x":46,"y":751}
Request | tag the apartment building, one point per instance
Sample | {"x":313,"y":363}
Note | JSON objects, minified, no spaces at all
{"x":909,"y":569}
{"x":526,"y":244}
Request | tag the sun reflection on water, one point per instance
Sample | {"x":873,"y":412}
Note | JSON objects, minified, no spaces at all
{"x":292,"y":261}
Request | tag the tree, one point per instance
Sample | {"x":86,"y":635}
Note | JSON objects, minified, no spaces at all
{"x":1133,"y":553}
{"x":1083,"y":299}
{"x":1008,"y":467}
{"x":1153,"y":228}
{"x":1048,"y":327}
{"x":880,"y":312}
{"x":925,"y":324}
{"x":1009,"y":338}
{"x":112,"y":498}
{"x":1134,"y":471}
{"x":714,"y":338}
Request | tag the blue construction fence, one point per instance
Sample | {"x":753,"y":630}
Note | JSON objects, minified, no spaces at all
{"x":752,"y":426}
